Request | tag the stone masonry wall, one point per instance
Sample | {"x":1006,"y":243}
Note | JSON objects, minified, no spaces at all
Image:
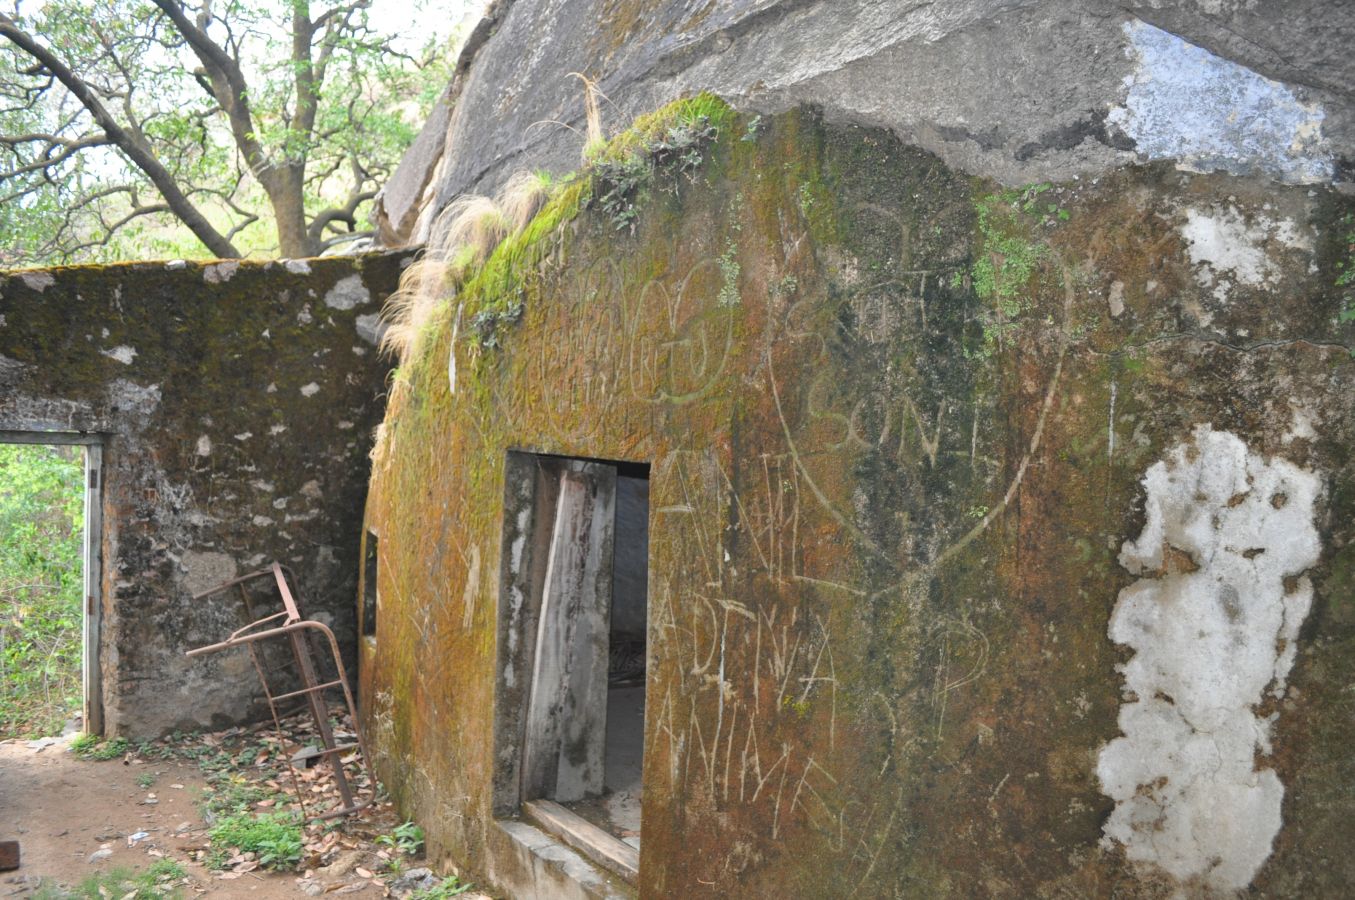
{"x":236,"y":401}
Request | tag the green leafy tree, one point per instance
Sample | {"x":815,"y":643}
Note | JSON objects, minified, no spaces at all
{"x":30,"y":207}
{"x":261,"y":126}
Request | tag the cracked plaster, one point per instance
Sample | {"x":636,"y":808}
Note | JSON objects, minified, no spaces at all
{"x":1213,"y":621}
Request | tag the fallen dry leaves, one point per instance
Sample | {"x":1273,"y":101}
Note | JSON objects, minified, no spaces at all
{"x":256,"y":763}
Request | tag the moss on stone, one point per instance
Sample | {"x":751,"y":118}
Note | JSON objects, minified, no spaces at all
{"x":902,"y":555}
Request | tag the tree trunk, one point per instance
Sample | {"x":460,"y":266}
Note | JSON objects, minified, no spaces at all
{"x":287,"y":197}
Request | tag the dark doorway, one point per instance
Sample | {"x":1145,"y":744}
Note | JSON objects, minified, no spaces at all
{"x":578,"y":577}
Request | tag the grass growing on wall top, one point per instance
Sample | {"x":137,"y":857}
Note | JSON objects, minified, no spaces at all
{"x":653,"y":129}
{"x":615,"y":179}
{"x":483,"y":249}
{"x":494,"y":290}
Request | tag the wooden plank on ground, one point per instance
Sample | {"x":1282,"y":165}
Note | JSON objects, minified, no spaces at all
{"x":9,"y":855}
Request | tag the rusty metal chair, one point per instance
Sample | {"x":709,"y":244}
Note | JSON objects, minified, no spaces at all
{"x":297,"y":631}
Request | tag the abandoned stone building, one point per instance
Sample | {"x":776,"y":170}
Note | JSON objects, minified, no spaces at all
{"x":911,"y":460}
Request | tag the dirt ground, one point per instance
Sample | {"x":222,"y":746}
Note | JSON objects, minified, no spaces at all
{"x":75,"y":818}
{"x":63,"y":810}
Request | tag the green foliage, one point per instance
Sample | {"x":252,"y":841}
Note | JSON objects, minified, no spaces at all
{"x":166,"y":868}
{"x":41,"y":528}
{"x":27,"y":219}
{"x":155,"y":883}
{"x":448,"y":887}
{"x":1345,"y":268}
{"x":487,"y":321}
{"x":1009,"y":256}
{"x":619,"y":183}
{"x":92,"y":747}
{"x":1012,"y":248}
{"x":231,"y":794}
{"x":145,"y":780}
{"x":804,"y":198}
{"x":407,"y":838}
{"x":275,"y":839}
{"x":673,"y":138}
{"x":65,"y":188}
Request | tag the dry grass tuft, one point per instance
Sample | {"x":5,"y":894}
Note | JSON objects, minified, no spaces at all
{"x":594,"y":139}
{"x":378,"y":453}
{"x":464,"y":236}
{"x":475,"y":226}
{"x":523,"y":196}
{"x":422,"y":286}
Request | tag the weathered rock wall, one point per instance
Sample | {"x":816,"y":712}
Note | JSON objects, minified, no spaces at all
{"x":944,"y":480}
{"x":1016,"y":90}
{"x":236,"y":402}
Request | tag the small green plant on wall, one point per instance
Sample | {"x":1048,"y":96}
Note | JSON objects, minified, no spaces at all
{"x":1345,"y":268}
{"x":1011,"y":250}
{"x":623,"y":171}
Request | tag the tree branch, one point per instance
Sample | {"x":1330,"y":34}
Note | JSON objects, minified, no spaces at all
{"x":108,"y":230}
{"x":47,"y":159}
{"x":346,"y":214}
{"x":140,"y":155}
{"x":228,"y":87}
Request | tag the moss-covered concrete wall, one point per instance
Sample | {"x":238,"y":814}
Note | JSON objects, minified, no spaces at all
{"x":236,"y":403}
{"x":920,"y":448}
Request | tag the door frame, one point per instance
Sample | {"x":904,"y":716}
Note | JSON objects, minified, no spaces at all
{"x":91,"y":680}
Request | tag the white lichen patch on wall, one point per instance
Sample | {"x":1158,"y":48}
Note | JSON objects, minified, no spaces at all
{"x":1227,"y":248}
{"x":37,"y":280}
{"x":121,"y":353}
{"x":370,"y":328}
{"x":221,"y":272}
{"x":1209,"y":114}
{"x":1213,"y":621}
{"x":348,"y":293}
